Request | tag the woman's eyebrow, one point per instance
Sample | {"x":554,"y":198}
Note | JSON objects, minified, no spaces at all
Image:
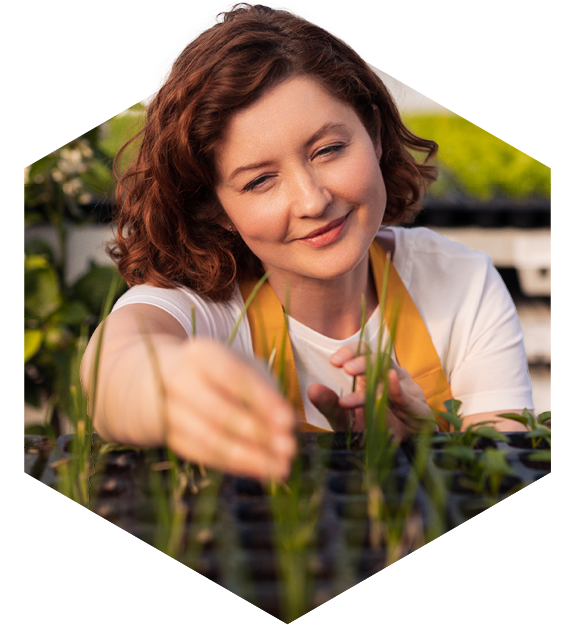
{"x":325,"y":129}
{"x":328,"y":127}
{"x":243,"y":168}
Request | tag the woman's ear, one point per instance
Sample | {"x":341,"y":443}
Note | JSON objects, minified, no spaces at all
{"x":378,"y":148}
{"x":226,"y":224}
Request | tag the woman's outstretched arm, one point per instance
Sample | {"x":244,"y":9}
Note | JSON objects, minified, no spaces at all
{"x":207,"y":403}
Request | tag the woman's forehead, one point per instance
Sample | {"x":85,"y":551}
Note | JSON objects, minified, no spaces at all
{"x":290,"y":114}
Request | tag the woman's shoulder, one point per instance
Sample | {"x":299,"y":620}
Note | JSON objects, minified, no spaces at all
{"x":422,"y":249}
{"x":440,"y":272}
{"x":212,"y":317}
{"x":423,"y":241}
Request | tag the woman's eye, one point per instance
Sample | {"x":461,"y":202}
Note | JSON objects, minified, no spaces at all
{"x":329,"y":149}
{"x":256,"y":183}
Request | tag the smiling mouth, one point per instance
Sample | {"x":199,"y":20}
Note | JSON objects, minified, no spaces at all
{"x":330,"y":226}
{"x":326,"y":235}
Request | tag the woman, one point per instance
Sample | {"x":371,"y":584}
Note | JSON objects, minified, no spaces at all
{"x":273,"y":147}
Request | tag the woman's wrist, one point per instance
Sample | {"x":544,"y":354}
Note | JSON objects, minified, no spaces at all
{"x":131,"y":402}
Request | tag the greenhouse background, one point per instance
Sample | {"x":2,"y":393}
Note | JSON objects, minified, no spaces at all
{"x":489,"y":196}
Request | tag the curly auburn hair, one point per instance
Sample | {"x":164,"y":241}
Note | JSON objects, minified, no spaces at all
{"x":168,"y":214}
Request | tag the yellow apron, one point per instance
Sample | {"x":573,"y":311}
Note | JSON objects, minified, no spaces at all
{"x":413,"y":347}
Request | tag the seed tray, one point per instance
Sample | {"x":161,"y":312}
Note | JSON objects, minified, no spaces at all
{"x":238,"y":550}
{"x":463,"y":501}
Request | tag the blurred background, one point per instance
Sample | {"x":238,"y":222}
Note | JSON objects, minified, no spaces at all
{"x":489,"y":196}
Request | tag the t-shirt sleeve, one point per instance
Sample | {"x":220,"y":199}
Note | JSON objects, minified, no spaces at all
{"x":213,"y":319}
{"x":210,"y":320}
{"x":493,"y":373}
{"x":172,"y":301}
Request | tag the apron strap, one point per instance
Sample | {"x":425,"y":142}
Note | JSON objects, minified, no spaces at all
{"x":413,"y":346}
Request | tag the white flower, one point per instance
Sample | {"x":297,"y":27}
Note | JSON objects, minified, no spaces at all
{"x":73,"y":187}
{"x":57,"y":175}
{"x":70,"y":161}
{"x":85,"y":148}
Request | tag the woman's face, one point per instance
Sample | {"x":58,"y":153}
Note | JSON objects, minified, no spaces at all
{"x":299,"y":179}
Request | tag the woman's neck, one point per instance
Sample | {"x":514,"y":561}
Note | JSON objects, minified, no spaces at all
{"x":330,"y":307}
{"x":333,"y":307}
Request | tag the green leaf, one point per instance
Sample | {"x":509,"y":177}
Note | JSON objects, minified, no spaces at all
{"x":494,"y":461}
{"x":42,"y":295}
{"x":71,"y":314}
{"x":452,"y":406}
{"x":515,"y":417}
{"x":451,"y":418}
{"x":539,"y":432}
{"x":93,"y":287}
{"x":32,"y":342}
{"x":530,"y":418}
{"x":491,"y":433}
{"x":38,"y":247}
{"x":461,"y":452}
{"x":475,"y":163}
{"x":542,"y":455}
{"x":425,"y":419}
{"x":544,"y":417}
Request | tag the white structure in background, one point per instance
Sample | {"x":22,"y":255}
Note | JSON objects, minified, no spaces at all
{"x":407,"y":99}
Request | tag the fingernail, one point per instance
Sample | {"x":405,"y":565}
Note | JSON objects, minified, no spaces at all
{"x":346,"y":402}
{"x":353,"y":367}
{"x":336,"y":359}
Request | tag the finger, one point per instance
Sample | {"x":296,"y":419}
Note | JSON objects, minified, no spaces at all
{"x":194,"y":438}
{"x":395,"y":392}
{"x":233,"y":417}
{"x":348,"y":352}
{"x":353,"y":400}
{"x":356,"y":366}
{"x":327,"y":402}
{"x":238,"y":378}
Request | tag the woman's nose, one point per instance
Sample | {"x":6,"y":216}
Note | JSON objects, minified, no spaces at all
{"x":309,"y":195}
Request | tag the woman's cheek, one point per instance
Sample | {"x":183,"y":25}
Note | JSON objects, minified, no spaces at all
{"x":264,"y":219}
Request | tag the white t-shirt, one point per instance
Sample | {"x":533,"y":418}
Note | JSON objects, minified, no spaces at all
{"x":466,"y":308}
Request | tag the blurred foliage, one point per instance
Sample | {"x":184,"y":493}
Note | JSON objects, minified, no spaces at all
{"x":55,"y":317}
{"x":59,"y":189}
{"x":475,"y":164}
{"x":61,"y":185}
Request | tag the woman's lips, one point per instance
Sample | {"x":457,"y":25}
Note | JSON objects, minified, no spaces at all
{"x":328,"y":234}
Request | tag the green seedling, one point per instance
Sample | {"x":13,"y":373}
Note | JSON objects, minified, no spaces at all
{"x":494,"y":467}
{"x":76,"y":471}
{"x":296,"y":507}
{"x":350,"y":419}
{"x":379,"y":443}
{"x":538,"y":431}
{"x":247,"y":303}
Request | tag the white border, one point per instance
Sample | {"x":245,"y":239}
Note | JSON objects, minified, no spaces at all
{"x":69,"y":66}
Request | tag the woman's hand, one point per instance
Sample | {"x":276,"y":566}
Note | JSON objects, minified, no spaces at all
{"x":406,"y":399}
{"x":221,"y":410}
{"x":209,"y":404}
